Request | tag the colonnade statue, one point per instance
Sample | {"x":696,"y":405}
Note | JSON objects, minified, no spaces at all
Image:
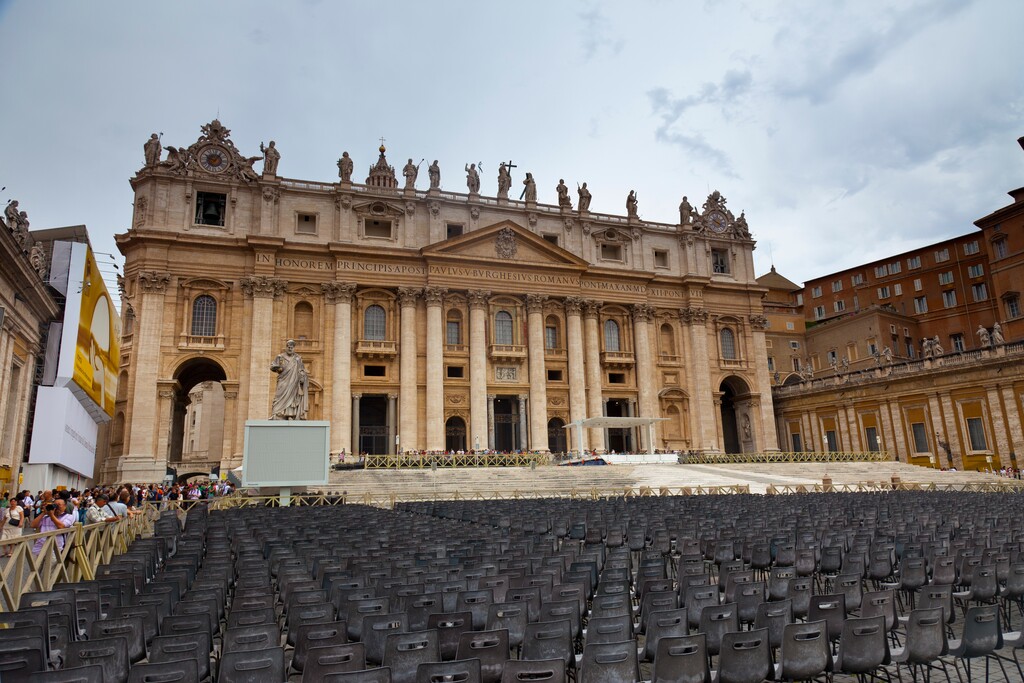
{"x":291,"y":397}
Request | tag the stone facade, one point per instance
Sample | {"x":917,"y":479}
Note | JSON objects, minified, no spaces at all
{"x":429,"y":319}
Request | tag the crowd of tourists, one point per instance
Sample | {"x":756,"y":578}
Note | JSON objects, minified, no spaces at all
{"x":49,"y":510}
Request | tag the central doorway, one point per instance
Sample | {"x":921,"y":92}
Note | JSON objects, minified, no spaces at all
{"x":506,"y":424}
{"x":620,"y":439}
{"x":373,"y":425}
{"x":455,"y":434}
{"x":556,"y":435}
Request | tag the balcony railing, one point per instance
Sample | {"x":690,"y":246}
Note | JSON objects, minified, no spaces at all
{"x":455,"y":348}
{"x":666,"y":359}
{"x":376,"y":348}
{"x":194,"y":341}
{"x":508,"y":351}
{"x":617,"y":358}
{"x":555,"y":353}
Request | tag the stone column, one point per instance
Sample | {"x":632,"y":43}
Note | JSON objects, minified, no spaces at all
{"x":524,"y":442}
{"x":577,"y":376}
{"x":952,"y":435}
{"x":809,"y":431}
{"x":702,"y":406}
{"x":481,"y":406}
{"x":538,"y":378}
{"x":645,"y":379}
{"x":1013,"y":423}
{"x":490,"y":421}
{"x":143,"y":409}
{"x":592,"y":353}
{"x":392,"y":412}
{"x":167,"y":391}
{"x":1002,"y":444}
{"x":340,"y":294}
{"x":764,"y":384}
{"x":262,"y":290}
{"x":434,"y":297}
{"x":892,"y":443}
{"x":355,"y":423}
{"x":408,"y":426}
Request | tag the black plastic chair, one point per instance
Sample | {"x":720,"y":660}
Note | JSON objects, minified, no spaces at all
{"x":249,"y":638}
{"x":863,"y":647}
{"x":609,"y":629}
{"x":460,"y":671}
{"x":981,"y":638}
{"x":549,"y":640}
{"x":404,"y":652}
{"x":509,"y":616}
{"x":322,"y":662}
{"x":745,"y":657}
{"x":681,"y":658}
{"x":195,"y":645}
{"x":774,"y":616}
{"x":79,"y":674}
{"x":546,"y":671}
{"x":111,"y":654}
{"x":491,"y":648}
{"x":715,"y":622}
{"x":180,"y":671}
{"x":831,"y":609}
{"x":376,"y":629}
{"x":610,"y":663}
{"x":129,"y":628}
{"x":925,"y":643}
{"x":263,"y":666}
{"x":665,"y":624}
{"x":450,"y":627}
{"x":311,"y":636}
{"x":23,"y":656}
{"x":805,"y":652}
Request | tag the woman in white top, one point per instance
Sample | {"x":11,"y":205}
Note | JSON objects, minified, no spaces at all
{"x":13,"y":521}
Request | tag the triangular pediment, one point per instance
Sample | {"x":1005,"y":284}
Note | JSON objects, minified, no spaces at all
{"x":507,"y":242}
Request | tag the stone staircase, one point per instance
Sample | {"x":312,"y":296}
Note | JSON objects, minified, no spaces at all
{"x":561,"y":480}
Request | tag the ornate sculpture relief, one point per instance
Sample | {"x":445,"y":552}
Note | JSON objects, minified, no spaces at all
{"x":152,"y":281}
{"x":214,"y":154}
{"x":478,"y":298}
{"x":535,"y":303}
{"x":693,"y":314}
{"x":263,"y":286}
{"x":407,"y":296}
{"x":474,"y":211}
{"x":140,"y":210}
{"x":338,"y":292}
{"x":642,"y":312}
{"x":759,"y":322}
{"x":435,"y":209}
{"x":573,"y":305}
{"x":434,"y":296}
{"x":505,"y":243}
{"x":591,"y":308}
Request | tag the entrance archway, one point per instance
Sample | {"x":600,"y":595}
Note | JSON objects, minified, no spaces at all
{"x":373,"y":425}
{"x":620,"y":439}
{"x":455,"y":434}
{"x":506,"y":424}
{"x":197,"y":378}
{"x":737,"y":434}
{"x":556,"y":435}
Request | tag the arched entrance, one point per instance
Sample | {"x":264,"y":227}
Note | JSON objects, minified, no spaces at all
{"x":737,"y":431}
{"x":556,"y":435}
{"x":197,"y":414}
{"x":455,"y":434}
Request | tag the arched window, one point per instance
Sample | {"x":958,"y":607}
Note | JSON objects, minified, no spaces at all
{"x":551,"y":333}
{"x":503,"y":328}
{"x":303,"y":320}
{"x":728,"y":344}
{"x":374,"y":327}
{"x":668,"y":340}
{"x":204,"y":316}
{"x":453,"y":327}
{"x":611,"y":336}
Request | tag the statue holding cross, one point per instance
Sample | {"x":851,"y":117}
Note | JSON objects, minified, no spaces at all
{"x":505,"y":178}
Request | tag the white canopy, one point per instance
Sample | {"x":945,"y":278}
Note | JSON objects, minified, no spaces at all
{"x":615,"y":423}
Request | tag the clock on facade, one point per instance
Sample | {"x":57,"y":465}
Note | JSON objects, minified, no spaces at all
{"x":717,"y":221}
{"x":213,"y":159}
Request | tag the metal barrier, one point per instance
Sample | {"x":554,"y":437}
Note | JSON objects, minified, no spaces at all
{"x":441,"y":460}
{"x":66,"y":555}
{"x":704,"y":458}
{"x":1009,"y":486}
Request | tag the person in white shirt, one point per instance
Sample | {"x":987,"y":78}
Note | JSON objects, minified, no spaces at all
{"x":100,"y":511}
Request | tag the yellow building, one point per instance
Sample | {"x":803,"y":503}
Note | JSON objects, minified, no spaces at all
{"x":429,"y":319}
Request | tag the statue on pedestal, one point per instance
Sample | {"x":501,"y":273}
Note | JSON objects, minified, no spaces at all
{"x":585,"y":197}
{"x":504,"y":180}
{"x":563,"y":195}
{"x":685,"y":212}
{"x":997,"y":335}
{"x":345,"y":168}
{"x":937,"y":347}
{"x":152,"y":150}
{"x":926,"y":348}
{"x":530,"y":191}
{"x":270,"y":158}
{"x":984,"y":337}
{"x":291,"y":397}
{"x":434,"y":171}
{"x":472,"y":179}
{"x":410,"y":172}
{"x":631,"y":205}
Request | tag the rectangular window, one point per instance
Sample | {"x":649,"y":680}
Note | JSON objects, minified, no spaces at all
{"x":456,"y":372}
{"x":794,"y":345}
{"x":839,"y":306}
{"x":917,"y":285}
{"x":377,"y":228}
{"x":305,"y":223}
{"x":942,"y":255}
{"x":771,"y":364}
{"x":957,"y":342}
{"x":856,"y":279}
{"x":790,"y":326}
{"x":871,"y":436}
{"x":883,"y":292}
{"x":554,"y":375}
{"x":881,"y":271}
{"x":920,"y":438}
{"x":551,"y":238}
{"x":453,"y":332}
{"x":830,"y":440}
{"x":374,"y":370}
{"x":971,"y":248}
{"x":796,"y":365}
{"x":819,"y":312}
{"x":913,"y":262}
{"x":719,"y":261}
{"x":550,"y":337}
{"x":211,"y":208}
{"x":895,"y":267}
{"x":454,"y":229}
{"x":837,"y":286}
{"x":660,"y":258}
{"x":797,"y":445}
{"x":946,"y":278}
{"x":976,"y":432}
{"x":977,"y":270}
{"x":979,"y":291}
{"x":616,"y":378}
{"x":897,"y":289}
{"x":1012,"y":307}
{"x":833,"y":357}
{"x":999,"y":246}
{"x":800,"y":299}
{"x":816,"y":292}
{"x":611,"y":252}
{"x":949,"y":298}
{"x":920,"y":304}
{"x":872,"y":347}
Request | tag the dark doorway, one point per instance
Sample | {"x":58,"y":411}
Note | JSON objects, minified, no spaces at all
{"x":620,"y":439}
{"x":556,"y":435}
{"x":729,"y":433}
{"x":373,"y":425}
{"x":190,"y":374}
{"x":506,"y":424}
{"x":455,"y":434}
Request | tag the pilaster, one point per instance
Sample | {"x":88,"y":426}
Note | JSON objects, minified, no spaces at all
{"x":263,"y":290}
{"x":434,"y":296}
{"x":577,"y":372}
{"x":592,"y":352}
{"x":481,"y":415}
{"x":538,"y":378}
{"x":340,"y":295}
{"x":408,"y":418}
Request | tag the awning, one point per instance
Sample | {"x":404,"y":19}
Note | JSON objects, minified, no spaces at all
{"x":615,"y":423}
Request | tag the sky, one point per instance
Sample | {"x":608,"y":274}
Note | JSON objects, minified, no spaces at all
{"x":847,"y":131}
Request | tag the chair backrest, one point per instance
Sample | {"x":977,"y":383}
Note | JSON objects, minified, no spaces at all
{"x":195,"y":645}
{"x":805,"y":651}
{"x":545,"y":671}
{"x":376,"y":629}
{"x":509,"y":616}
{"x":864,"y":645}
{"x":982,"y":634}
{"x":665,"y":624}
{"x":549,"y":640}
{"x":180,"y":671}
{"x":333,"y":659}
{"x":926,"y":636}
{"x":609,"y":629}
{"x":460,"y":671}
{"x":404,"y":652}
{"x":490,"y":647}
{"x":609,"y":663}
{"x":258,"y":637}
{"x":570,"y":609}
{"x":831,"y":608}
{"x":245,"y":667}
{"x":716,"y":621}
{"x":746,"y":657}
{"x":450,"y":626}
{"x":774,"y":616}
{"x":310,"y":636}
{"x":681,"y":658}
{"x":23,"y":655}
{"x":78,"y":674}
{"x":697,"y":598}
{"x":148,"y":614}
{"x":130,"y":628}
{"x":111,"y":654}
{"x":938,"y":596}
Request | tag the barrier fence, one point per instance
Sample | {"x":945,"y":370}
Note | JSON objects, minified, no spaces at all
{"x":708,"y":458}
{"x":440,"y":460}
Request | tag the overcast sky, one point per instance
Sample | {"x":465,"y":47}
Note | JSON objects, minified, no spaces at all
{"x":846,"y":130}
